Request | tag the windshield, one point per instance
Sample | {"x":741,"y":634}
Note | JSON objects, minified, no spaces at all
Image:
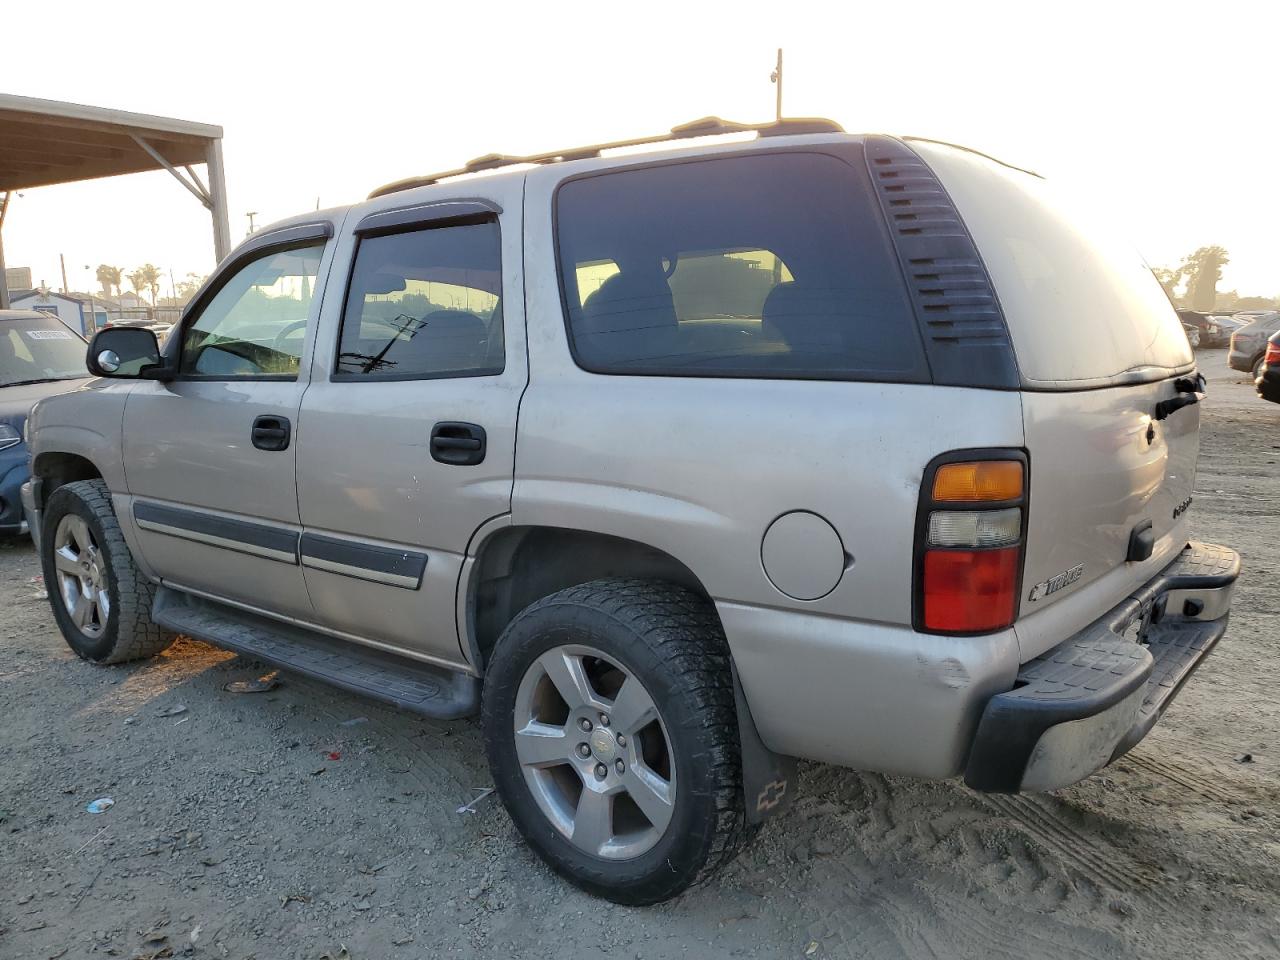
{"x":39,"y":348}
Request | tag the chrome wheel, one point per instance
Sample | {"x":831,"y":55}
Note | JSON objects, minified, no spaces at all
{"x":82,"y":577}
{"x":594,"y":752}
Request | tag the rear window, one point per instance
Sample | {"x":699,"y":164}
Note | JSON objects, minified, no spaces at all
{"x":775,"y":265}
{"x":1082,"y":305}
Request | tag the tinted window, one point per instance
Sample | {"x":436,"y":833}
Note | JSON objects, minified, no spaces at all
{"x":256,"y":324}
{"x":426,"y":303}
{"x":39,"y":348}
{"x":767,"y":266}
{"x":1080,"y":302}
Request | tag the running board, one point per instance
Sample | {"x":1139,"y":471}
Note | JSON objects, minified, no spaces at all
{"x":410,"y":684}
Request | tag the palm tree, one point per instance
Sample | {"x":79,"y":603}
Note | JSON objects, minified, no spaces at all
{"x":151,"y":277}
{"x":109,"y":277}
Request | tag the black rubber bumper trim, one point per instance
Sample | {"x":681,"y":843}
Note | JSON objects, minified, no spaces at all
{"x":364,"y":561}
{"x":1098,"y":668}
{"x":244,"y":535}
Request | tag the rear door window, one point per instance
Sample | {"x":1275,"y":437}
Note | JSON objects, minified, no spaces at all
{"x":774,"y":265}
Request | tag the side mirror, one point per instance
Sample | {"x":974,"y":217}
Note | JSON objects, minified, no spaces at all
{"x":125,"y":353}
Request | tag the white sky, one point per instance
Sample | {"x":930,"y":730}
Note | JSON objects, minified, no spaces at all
{"x":1167,"y":111}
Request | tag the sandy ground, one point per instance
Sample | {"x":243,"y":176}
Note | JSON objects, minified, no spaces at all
{"x":306,"y":822}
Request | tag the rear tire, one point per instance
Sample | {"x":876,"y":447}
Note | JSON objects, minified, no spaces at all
{"x":1257,"y":367}
{"x":101,"y":601}
{"x":654,"y":802}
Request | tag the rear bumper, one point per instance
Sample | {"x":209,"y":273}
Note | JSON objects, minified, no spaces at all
{"x":1242,"y":359}
{"x":1269,"y":385}
{"x":1090,"y":699}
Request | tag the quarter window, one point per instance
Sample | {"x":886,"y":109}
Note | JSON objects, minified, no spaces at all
{"x":256,"y":324}
{"x":425,"y":303}
{"x":775,"y":265}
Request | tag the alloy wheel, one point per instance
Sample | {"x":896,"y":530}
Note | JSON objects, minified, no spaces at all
{"x":595,"y":753}
{"x":82,"y":576}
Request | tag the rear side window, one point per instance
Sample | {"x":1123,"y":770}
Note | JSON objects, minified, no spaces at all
{"x":1081,"y":304}
{"x":775,"y":265}
{"x":424,"y":304}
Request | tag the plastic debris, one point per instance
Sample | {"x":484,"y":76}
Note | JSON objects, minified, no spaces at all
{"x":175,"y":711}
{"x":811,"y":949}
{"x":101,"y":805}
{"x":333,"y":755}
{"x":470,"y":807}
{"x":261,"y":685}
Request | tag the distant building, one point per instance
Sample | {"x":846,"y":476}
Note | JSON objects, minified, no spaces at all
{"x":78,"y":313}
{"x":18,"y":278}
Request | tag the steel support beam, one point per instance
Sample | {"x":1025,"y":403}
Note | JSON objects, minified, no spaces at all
{"x":4,"y":283}
{"x":218,"y":200}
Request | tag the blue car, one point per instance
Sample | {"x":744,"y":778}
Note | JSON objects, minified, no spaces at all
{"x":39,"y":356}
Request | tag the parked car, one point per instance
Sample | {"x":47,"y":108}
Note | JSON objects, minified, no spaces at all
{"x":160,"y":328}
{"x":1268,"y":382}
{"x":39,"y":356}
{"x":1193,"y":335}
{"x":1249,"y":344}
{"x":1209,"y":331}
{"x":672,"y":466}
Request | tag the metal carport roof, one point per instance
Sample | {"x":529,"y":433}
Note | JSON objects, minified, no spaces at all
{"x":44,"y":142}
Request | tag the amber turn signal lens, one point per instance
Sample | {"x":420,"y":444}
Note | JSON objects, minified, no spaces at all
{"x":986,"y":480}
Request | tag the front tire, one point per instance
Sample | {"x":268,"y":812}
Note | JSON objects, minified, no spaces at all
{"x":612,"y":737}
{"x":101,"y":601}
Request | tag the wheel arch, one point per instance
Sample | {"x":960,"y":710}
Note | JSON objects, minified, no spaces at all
{"x":515,"y":566}
{"x":55,"y":469}
{"x":519,"y":565}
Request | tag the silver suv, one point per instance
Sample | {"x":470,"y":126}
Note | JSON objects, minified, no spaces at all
{"x":673,"y":466}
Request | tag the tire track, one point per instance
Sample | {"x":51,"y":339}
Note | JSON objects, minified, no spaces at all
{"x":1182,"y":775}
{"x":998,"y":932}
{"x":1073,"y":849}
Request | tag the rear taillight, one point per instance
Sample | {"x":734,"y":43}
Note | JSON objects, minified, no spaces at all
{"x":970,"y":533}
{"x":1272,"y":358}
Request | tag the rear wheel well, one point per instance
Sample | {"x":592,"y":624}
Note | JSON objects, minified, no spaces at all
{"x":57,"y":469}
{"x":520,"y":565}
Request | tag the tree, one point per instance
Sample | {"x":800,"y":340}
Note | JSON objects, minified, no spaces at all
{"x":146,"y":277}
{"x":187,"y":288}
{"x":1203,"y":270}
{"x":109,"y":277}
{"x":1169,"y":279}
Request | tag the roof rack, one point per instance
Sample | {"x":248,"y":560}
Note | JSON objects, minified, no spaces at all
{"x":706,"y":127}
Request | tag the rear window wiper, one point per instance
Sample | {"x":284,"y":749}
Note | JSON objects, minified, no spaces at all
{"x":1190,"y":390}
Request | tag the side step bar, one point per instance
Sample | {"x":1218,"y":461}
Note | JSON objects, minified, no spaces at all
{"x":422,"y":688}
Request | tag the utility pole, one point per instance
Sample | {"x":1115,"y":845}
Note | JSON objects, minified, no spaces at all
{"x":776,"y":78}
{"x":251,"y":214}
{"x":63,"y":261}
{"x":4,"y":286}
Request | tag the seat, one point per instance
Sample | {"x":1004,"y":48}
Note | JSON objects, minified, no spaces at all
{"x":444,"y":341}
{"x":631,"y":318}
{"x":808,"y":319}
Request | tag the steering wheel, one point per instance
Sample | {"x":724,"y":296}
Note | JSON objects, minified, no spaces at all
{"x":278,"y":343}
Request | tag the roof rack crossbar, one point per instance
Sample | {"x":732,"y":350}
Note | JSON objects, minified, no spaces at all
{"x":705,"y":127}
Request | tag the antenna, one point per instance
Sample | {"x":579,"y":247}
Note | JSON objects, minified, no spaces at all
{"x":776,"y":78}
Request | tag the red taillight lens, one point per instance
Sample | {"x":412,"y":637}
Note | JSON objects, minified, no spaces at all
{"x":970,"y":590}
{"x":971,"y":530}
{"x":1272,"y":358}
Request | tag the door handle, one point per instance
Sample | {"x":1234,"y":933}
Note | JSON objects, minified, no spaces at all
{"x":271,"y":433}
{"x":458,"y":444}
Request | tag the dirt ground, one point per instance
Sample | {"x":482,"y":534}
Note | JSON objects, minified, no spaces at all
{"x":310,"y":823}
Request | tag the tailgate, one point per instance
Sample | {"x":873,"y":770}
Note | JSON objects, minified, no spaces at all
{"x":1101,"y":466}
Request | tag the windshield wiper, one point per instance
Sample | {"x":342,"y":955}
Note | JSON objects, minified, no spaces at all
{"x":23,"y":383}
